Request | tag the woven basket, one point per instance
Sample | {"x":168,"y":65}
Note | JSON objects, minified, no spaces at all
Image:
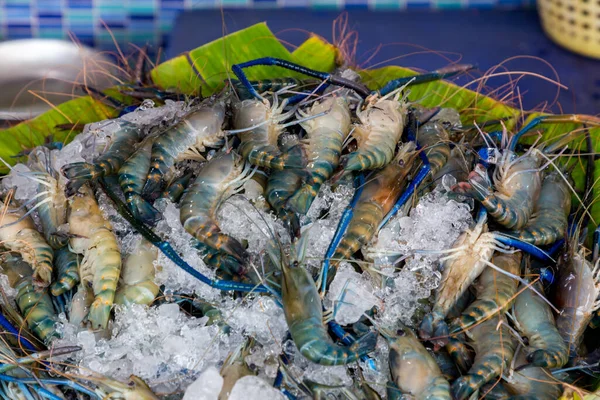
{"x":574,"y":24}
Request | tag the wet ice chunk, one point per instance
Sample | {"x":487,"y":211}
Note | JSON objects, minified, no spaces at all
{"x":254,"y":388}
{"x":21,"y":179}
{"x":351,"y":294}
{"x":206,"y":387}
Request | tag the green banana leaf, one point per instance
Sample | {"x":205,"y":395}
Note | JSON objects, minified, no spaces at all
{"x":204,"y":71}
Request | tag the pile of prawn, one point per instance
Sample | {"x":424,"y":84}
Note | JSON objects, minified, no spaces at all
{"x":512,"y":317}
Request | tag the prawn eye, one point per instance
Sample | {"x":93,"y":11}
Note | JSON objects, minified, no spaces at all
{"x":547,"y":275}
{"x":401,"y":163}
{"x":400,"y":332}
{"x":295,"y":264}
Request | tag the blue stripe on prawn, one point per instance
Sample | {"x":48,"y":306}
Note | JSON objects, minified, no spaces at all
{"x":5,"y":324}
{"x":359,"y":183}
{"x":166,"y":248}
{"x":363,"y":91}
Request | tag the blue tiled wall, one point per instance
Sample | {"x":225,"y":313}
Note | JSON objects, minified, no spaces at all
{"x":96,"y":22}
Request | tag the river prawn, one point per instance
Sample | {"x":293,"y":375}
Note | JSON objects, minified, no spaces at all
{"x":259,"y":125}
{"x":322,"y":144}
{"x":122,"y":146}
{"x":93,"y":237}
{"x":381,"y":125}
{"x":19,"y":234}
{"x":469,"y":256}
{"x":530,"y":382}
{"x":187,"y":140}
{"x":413,"y":369}
{"x":375,"y":201}
{"x":548,"y":223}
{"x":136,"y":285}
{"x":132,"y":177}
{"x":52,"y":204}
{"x":495,"y":292}
{"x":515,"y":191}
{"x":577,"y":295}
{"x":494,"y":350}
{"x":218,"y":179}
{"x":535,"y":320}
{"x":303,"y":312}
{"x":35,"y":305}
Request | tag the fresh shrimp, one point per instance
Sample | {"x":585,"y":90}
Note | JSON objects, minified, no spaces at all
{"x":495,"y":292}
{"x":35,"y":305}
{"x":219,"y":178}
{"x":260,"y":126}
{"x":122,"y":146}
{"x":101,"y":266}
{"x":535,"y":320}
{"x":469,"y":256}
{"x":413,"y":369}
{"x":517,"y":183}
{"x":67,"y":267}
{"x":132,"y":177}
{"x":577,"y":295}
{"x":375,"y":202}
{"x":137,"y":276}
{"x":80,"y":305}
{"x":377,"y":134}
{"x":548,"y":222}
{"x":185,"y":141}
{"x":494,"y":350}
{"x":323,"y":143}
{"x":19,"y":234}
{"x":530,"y":382}
{"x":434,"y":139}
{"x":303,"y":312}
{"x":52,"y":207}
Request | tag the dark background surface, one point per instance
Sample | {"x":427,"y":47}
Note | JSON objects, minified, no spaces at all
{"x":482,"y":37}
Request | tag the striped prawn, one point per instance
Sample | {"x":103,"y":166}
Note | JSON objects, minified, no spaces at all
{"x":322,"y":145}
{"x":201,"y":128}
{"x":19,"y":234}
{"x":101,"y":266}
{"x":218,"y":179}
{"x":137,"y":276}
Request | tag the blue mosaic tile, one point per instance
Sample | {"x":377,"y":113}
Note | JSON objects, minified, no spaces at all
{"x":150,"y":21}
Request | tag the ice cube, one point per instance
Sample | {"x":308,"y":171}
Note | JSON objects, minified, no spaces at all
{"x":254,"y":388}
{"x":206,"y":387}
{"x":351,"y":294}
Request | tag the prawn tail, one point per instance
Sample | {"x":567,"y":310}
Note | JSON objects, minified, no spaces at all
{"x":322,"y":351}
{"x":153,"y":187}
{"x":478,"y":185}
{"x":302,"y":199}
{"x":65,"y":282}
{"x":294,"y":157}
{"x":142,"y":210}
{"x":549,"y":358}
{"x":142,"y":293}
{"x":466,"y":385}
{"x":78,"y":174}
{"x":99,"y":313}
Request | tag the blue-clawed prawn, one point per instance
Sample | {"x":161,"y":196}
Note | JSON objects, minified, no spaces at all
{"x":101,"y":266}
{"x":381,"y":125}
{"x":219,"y":178}
{"x":304,"y":315}
{"x":19,"y":234}
{"x":137,"y":276}
{"x":199,"y":129}
{"x":132,"y":177}
{"x":323,"y":143}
